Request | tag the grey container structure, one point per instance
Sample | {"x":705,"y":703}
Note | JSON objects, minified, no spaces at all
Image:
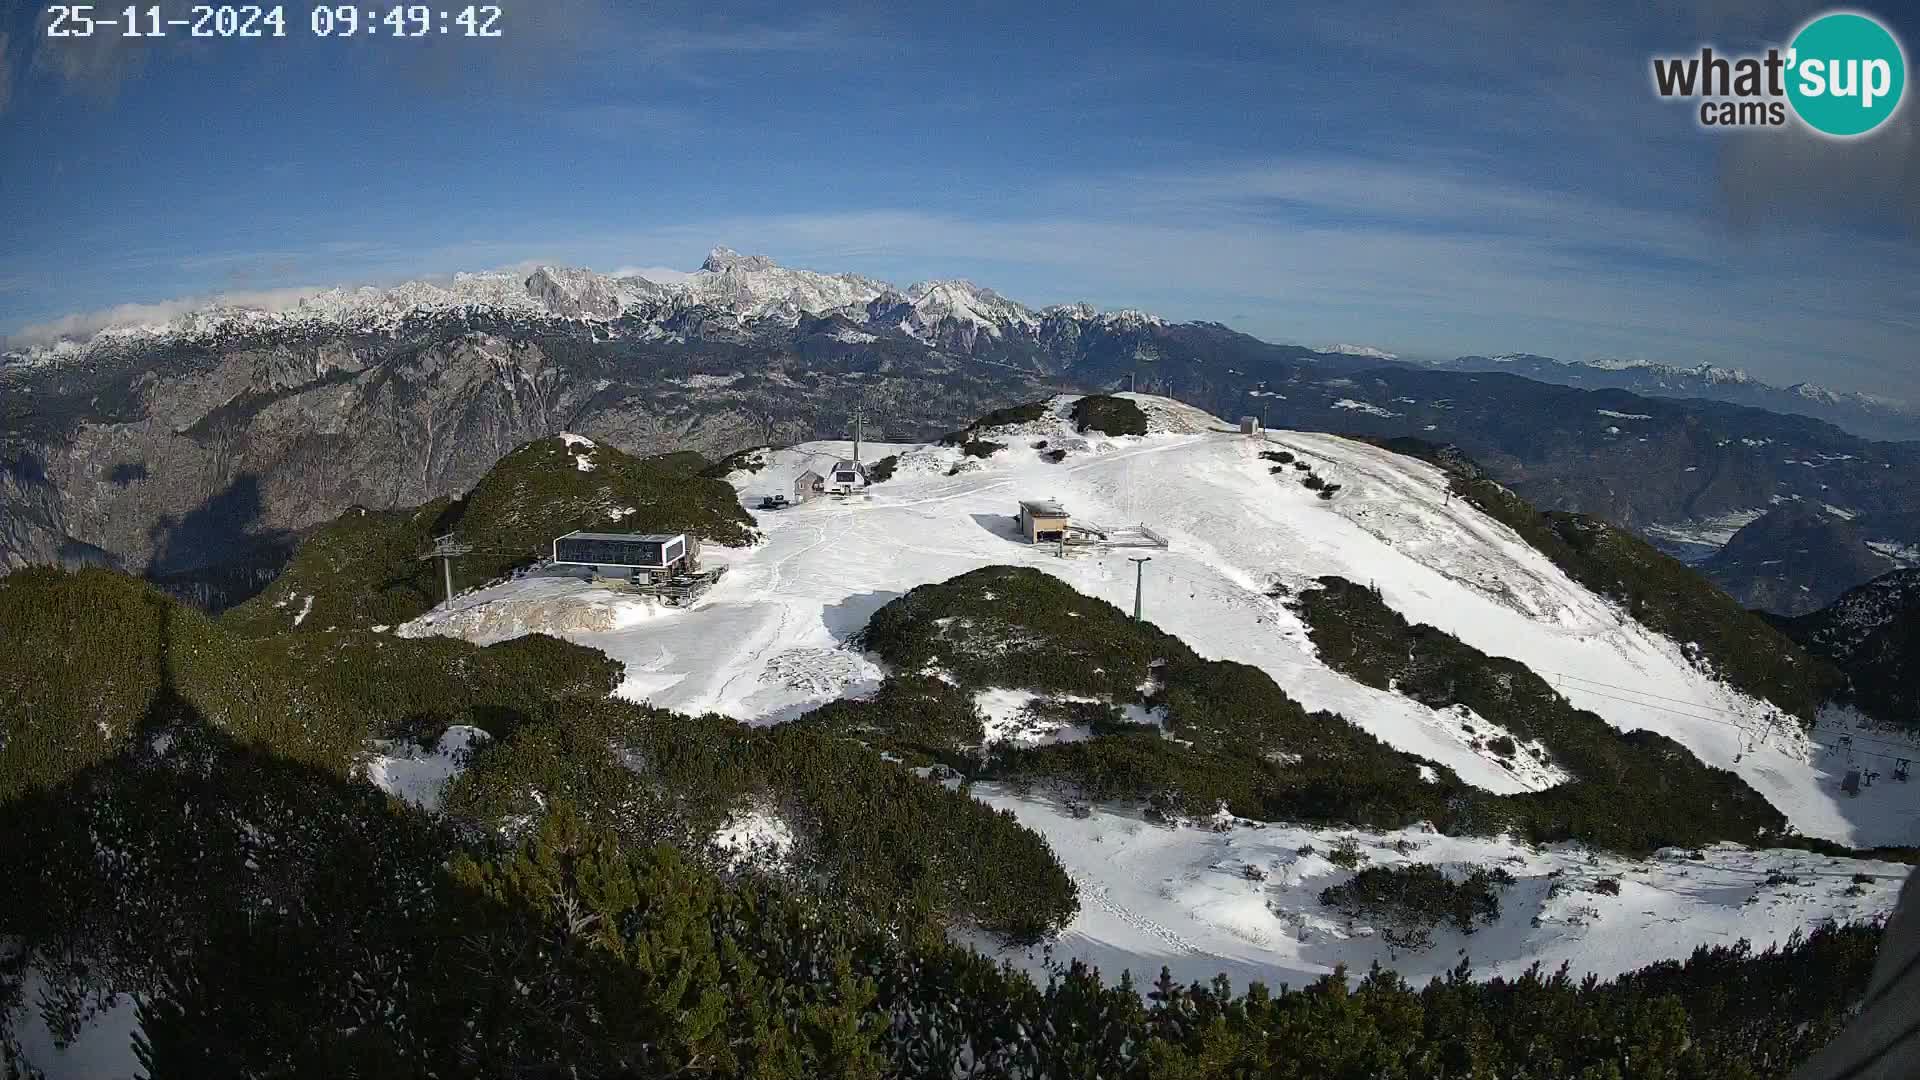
{"x":638,"y":555}
{"x":1249,"y":425}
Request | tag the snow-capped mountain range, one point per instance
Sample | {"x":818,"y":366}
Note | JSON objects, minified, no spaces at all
{"x":1872,"y":415}
{"x":746,"y":290}
{"x":747,"y":294}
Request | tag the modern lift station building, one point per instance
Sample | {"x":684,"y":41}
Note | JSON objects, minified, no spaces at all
{"x":641,"y":555}
{"x":849,"y":475}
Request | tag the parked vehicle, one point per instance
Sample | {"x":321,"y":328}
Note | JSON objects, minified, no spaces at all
{"x":774,"y":502}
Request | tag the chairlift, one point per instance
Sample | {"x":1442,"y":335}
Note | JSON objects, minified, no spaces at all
{"x":1900,"y":767}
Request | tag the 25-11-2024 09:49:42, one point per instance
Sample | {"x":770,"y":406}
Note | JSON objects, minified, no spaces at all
{"x":252,"y":21}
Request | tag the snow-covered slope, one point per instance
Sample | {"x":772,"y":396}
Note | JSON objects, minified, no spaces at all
{"x":1186,"y":898}
{"x":771,"y":639}
{"x":775,"y":638}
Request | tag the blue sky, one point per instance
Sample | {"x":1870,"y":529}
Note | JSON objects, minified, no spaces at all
{"x":1435,"y":180}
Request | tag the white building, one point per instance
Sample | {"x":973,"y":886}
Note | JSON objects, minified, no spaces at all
{"x":848,"y":475}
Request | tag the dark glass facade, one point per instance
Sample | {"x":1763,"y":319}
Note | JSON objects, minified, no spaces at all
{"x":600,"y":552}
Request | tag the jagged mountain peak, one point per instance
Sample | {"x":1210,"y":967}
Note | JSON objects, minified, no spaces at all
{"x":722,"y":259}
{"x":1079,"y":310}
{"x":964,"y":302}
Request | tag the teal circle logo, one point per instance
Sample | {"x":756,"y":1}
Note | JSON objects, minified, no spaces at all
{"x":1846,"y":74}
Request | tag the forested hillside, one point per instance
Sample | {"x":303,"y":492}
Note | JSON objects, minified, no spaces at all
{"x":364,"y":569}
{"x":602,"y":886}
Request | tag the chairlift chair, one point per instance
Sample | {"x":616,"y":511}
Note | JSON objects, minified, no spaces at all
{"x":1900,"y":767}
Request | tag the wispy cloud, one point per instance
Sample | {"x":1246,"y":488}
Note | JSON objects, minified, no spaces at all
{"x":539,"y":42}
{"x":94,"y":66}
{"x":661,"y":42}
{"x":665,"y":275}
{"x":86,"y":323}
{"x":1330,"y":248}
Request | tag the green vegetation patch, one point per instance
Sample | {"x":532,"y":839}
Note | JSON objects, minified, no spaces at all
{"x":750,"y":460}
{"x":1635,"y":791}
{"x":881,"y":471}
{"x":1019,"y":628}
{"x":1026,"y":413}
{"x":364,"y":569}
{"x":1871,"y":635}
{"x":92,"y":655}
{"x":981,"y":448}
{"x":351,"y":936}
{"x":1664,"y":594}
{"x":1223,"y":733}
{"x":540,"y":491}
{"x":1416,"y":897}
{"x":920,"y":719}
{"x":870,"y":835}
{"x":1108,"y":415}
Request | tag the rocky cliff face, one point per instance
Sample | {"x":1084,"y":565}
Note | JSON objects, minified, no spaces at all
{"x":221,"y":452}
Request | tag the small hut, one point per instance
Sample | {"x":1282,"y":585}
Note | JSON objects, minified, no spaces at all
{"x":1043,"y":521}
{"x":1249,"y":425}
{"x":807,"y":485}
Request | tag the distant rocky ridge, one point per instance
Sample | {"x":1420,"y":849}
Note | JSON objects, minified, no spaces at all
{"x":1868,"y":415}
{"x":1872,"y":634}
{"x":743,"y":291}
{"x":1794,"y":559}
{"x":198,"y":450}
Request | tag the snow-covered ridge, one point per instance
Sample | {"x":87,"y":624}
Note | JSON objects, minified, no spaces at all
{"x":749,"y":289}
{"x":779,"y":636}
{"x":775,"y":637}
{"x":1683,"y":377}
{"x":1361,"y":350}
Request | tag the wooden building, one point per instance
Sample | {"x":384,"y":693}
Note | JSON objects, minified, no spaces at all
{"x":1043,"y":521}
{"x":807,"y":485}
